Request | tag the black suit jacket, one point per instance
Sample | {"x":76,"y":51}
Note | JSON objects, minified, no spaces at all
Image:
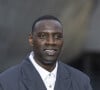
{"x":25,"y":77}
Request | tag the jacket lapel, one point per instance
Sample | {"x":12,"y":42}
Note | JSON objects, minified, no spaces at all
{"x":30,"y":77}
{"x":63,"y":81}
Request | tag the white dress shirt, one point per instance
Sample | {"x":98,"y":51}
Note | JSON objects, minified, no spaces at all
{"x":48,"y":78}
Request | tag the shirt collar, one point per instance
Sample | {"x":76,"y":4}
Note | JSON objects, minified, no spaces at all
{"x":43,"y":72}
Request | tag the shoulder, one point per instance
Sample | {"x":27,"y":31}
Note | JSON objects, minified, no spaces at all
{"x":9,"y":78}
{"x":13,"y":72}
{"x":78,"y":78}
{"x":75,"y":73}
{"x":10,"y":73}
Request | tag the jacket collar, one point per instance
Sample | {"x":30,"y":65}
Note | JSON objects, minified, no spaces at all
{"x":32,"y":79}
{"x":63,"y":81}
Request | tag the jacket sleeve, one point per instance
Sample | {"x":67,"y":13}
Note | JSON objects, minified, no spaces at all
{"x":88,"y":85}
{"x":1,"y":87}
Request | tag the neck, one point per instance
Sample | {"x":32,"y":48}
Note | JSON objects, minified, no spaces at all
{"x":49,"y":67}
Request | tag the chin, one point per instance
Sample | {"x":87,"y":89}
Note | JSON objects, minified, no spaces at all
{"x":50,"y":61}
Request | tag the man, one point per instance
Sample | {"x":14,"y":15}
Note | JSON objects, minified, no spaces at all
{"x":41,"y":69}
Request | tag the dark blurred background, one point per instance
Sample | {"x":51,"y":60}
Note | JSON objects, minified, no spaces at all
{"x":81,"y":22}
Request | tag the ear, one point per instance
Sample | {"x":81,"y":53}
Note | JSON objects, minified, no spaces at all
{"x":30,"y":39}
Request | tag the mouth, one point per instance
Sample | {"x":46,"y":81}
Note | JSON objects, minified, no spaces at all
{"x":50,"y":52}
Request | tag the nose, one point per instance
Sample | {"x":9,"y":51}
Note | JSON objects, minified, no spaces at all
{"x":50,"y":41}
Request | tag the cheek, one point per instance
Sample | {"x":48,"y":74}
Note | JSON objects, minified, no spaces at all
{"x":60,"y":43}
{"x":38,"y":44}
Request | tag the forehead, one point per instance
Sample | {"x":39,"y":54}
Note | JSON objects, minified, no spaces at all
{"x":48,"y":25}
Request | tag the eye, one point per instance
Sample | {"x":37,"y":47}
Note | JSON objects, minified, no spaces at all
{"x":58,"y":36}
{"x":42,"y":35}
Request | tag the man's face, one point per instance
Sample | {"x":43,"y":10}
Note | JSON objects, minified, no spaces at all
{"x":47,"y":40}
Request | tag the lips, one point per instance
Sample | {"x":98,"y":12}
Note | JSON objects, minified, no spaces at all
{"x":50,"y":51}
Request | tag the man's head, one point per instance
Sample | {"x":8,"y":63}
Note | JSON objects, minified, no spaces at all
{"x":46,"y":39}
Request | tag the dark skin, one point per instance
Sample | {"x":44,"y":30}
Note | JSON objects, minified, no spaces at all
{"x":47,"y":41}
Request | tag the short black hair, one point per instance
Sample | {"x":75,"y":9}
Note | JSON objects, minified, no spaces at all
{"x":45,"y":17}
